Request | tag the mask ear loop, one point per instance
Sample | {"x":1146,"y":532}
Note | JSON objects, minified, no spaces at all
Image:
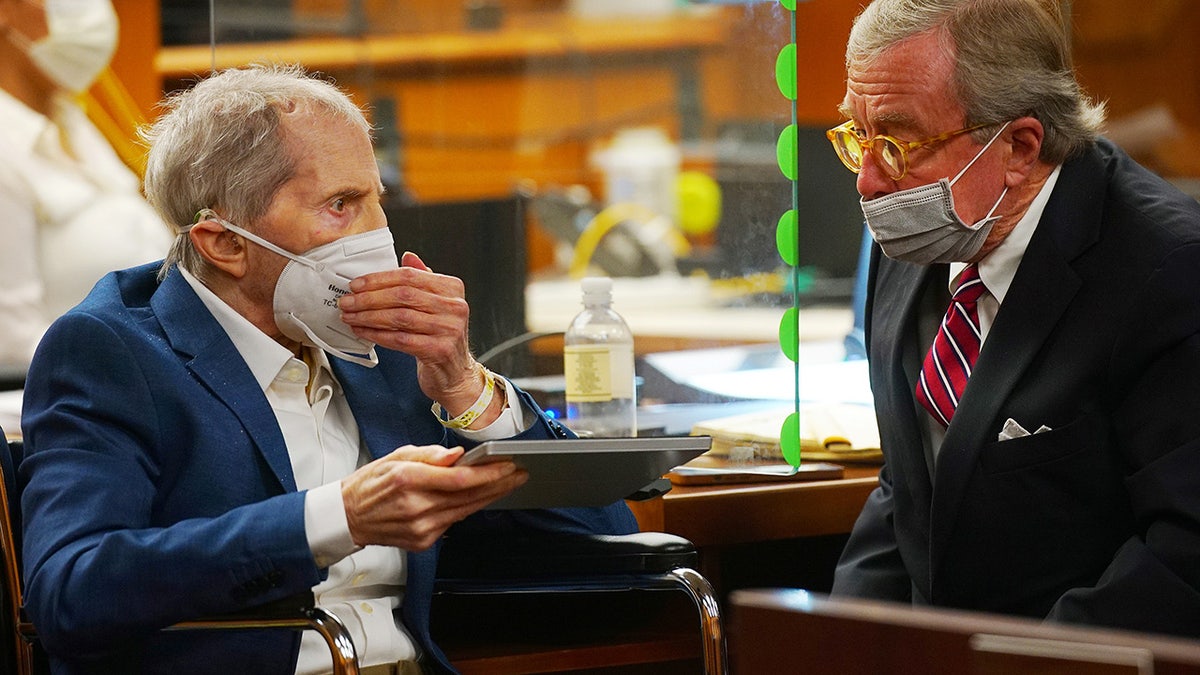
{"x":989,"y":217}
{"x":980,"y":153}
{"x":209,"y":214}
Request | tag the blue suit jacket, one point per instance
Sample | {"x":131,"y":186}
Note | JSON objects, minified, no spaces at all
{"x":157,"y":487}
{"x":1098,"y":519}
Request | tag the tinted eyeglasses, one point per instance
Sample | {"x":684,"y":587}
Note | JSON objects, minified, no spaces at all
{"x":891,"y":153}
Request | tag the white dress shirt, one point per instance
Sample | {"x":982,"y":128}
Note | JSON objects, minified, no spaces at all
{"x":1000,"y":266}
{"x":70,"y":210}
{"x":996,"y":271}
{"x":364,"y":585}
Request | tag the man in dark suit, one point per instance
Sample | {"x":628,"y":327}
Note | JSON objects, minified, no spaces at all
{"x":1042,"y":429}
{"x":191,"y":446}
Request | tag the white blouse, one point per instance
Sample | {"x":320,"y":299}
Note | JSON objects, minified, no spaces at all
{"x":70,"y":211}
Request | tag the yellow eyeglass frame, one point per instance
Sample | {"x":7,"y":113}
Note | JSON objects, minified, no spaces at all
{"x":883,"y":147}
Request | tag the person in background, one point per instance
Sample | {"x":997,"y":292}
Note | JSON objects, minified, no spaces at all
{"x":1032,"y":327}
{"x":275,"y":408}
{"x":72,"y":210}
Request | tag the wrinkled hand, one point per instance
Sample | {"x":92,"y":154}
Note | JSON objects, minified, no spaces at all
{"x":416,"y":311}
{"x":410,"y":497}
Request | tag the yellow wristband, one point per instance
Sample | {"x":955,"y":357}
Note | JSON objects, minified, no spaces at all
{"x":477,"y":408}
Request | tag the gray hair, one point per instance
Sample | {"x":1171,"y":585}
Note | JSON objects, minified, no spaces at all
{"x":221,"y":145}
{"x":1013,"y":60}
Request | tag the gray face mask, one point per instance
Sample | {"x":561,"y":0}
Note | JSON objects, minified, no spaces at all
{"x":920,"y":225}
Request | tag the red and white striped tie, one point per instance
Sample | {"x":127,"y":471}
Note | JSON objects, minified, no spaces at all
{"x":955,"y":349}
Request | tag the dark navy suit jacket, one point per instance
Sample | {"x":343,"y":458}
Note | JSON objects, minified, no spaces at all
{"x":1097,"y":520}
{"x":157,"y":487}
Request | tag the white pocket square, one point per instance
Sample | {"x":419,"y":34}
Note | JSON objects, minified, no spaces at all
{"x":1013,"y":429}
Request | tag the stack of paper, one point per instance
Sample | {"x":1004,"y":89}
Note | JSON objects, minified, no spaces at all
{"x":839,"y":432}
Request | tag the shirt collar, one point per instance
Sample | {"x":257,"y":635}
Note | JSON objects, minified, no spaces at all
{"x":1000,"y":266}
{"x":262,"y":354}
{"x":324,"y":373}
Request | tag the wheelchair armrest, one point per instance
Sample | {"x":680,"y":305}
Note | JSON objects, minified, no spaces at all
{"x":291,"y":607}
{"x":298,"y":612}
{"x":548,"y":556}
{"x":555,"y":563}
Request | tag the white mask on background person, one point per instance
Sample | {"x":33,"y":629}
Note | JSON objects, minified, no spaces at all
{"x":80,"y":39}
{"x":919,"y":225}
{"x":306,"y":295}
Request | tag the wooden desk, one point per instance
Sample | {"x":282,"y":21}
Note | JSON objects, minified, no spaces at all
{"x":726,"y":515}
{"x":788,"y":535}
{"x":785,"y":631}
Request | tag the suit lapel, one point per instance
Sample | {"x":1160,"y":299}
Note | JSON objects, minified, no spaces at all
{"x":895,"y":312}
{"x":1042,"y":289}
{"x":372,"y":399}
{"x":212,"y":358}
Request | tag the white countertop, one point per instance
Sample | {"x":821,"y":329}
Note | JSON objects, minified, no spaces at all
{"x":682,"y":307}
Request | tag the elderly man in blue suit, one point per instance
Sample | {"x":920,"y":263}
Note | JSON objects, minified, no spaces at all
{"x":192,"y":447}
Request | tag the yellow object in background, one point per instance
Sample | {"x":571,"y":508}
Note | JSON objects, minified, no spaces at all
{"x":612,"y":216}
{"x":110,"y":107}
{"x":699,"y":202}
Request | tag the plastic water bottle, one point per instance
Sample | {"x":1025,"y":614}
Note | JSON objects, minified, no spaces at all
{"x":598,"y":364}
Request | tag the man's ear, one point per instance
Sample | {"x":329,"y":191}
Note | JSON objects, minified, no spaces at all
{"x":222,"y":248}
{"x":1025,"y":138}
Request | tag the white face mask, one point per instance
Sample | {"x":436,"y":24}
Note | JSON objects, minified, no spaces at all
{"x":920,"y":225}
{"x":80,"y":40}
{"x":306,"y":295}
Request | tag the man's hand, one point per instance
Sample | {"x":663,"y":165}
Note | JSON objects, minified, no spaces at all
{"x":418,"y":312}
{"x":413,"y":495}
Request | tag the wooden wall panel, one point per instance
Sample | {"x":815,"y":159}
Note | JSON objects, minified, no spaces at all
{"x":481,"y":134}
{"x":139,"y":43}
{"x":1139,"y":57}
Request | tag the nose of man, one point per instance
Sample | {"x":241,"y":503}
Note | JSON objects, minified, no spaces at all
{"x":873,"y":181}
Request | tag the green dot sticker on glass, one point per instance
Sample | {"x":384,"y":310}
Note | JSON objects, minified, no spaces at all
{"x":788,"y":152}
{"x":789,"y":439}
{"x":787,"y":238}
{"x":788,"y":4}
{"x":785,"y":71}
{"x":789,"y":333}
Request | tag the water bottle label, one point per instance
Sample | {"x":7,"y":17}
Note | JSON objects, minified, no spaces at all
{"x":597,"y":373}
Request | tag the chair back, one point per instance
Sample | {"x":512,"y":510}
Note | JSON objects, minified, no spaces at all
{"x":16,"y":653}
{"x":20,"y":652}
